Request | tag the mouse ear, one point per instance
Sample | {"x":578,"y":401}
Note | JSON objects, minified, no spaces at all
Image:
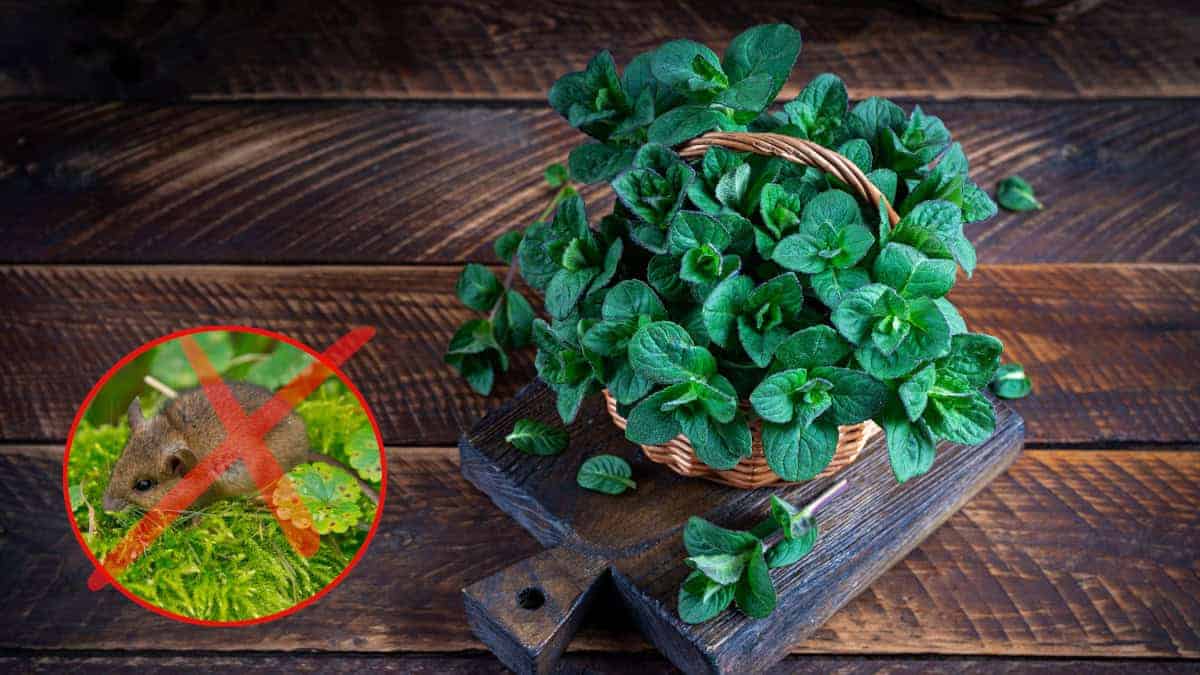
{"x":136,"y":421}
{"x":178,"y":460}
{"x":176,"y":416}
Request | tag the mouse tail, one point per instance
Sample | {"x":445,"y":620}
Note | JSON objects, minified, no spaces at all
{"x":331,"y":461}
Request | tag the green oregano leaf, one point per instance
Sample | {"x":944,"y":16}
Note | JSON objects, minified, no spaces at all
{"x":556,"y":175}
{"x":537,"y":438}
{"x":1014,"y":194}
{"x":506,"y":246}
{"x":701,"y":598}
{"x":478,"y":288}
{"x":605,"y":473}
{"x":755,"y":592}
{"x":1011,"y":382}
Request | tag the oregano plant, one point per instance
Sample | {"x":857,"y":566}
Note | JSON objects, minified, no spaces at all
{"x":731,"y":567}
{"x":733,"y":287}
{"x":480,"y":346}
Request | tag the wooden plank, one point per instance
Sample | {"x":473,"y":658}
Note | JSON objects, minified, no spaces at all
{"x":1069,"y":554}
{"x":493,"y":49}
{"x":572,"y":664}
{"x":403,"y":183}
{"x":1113,"y":350}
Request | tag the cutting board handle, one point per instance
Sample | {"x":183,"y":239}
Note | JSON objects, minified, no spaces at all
{"x":527,"y":613}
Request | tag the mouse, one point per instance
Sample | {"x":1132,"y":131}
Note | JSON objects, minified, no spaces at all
{"x":162,"y":449}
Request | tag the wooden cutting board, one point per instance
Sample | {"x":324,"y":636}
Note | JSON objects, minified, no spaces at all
{"x":632,"y":544}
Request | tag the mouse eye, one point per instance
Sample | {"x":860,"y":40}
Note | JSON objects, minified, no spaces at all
{"x":143,"y":485}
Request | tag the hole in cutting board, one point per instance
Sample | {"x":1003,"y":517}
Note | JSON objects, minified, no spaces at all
{"x":531,"y":598}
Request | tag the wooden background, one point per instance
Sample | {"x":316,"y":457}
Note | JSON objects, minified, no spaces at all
{"x":311,"y":166}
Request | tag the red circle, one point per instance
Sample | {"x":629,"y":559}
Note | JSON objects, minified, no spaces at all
{"x":241,"y":329}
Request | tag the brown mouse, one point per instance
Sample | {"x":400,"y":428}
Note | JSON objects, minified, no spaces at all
{"x":162,"y":449}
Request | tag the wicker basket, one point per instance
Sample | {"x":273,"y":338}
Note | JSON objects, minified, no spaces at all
{"x":753,"y":471}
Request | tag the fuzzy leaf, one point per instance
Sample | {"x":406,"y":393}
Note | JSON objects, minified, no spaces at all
{"x":755,"y":593}
{"x":506,"y":246}
{"x":605,"y":473}
{"x":536,"y":438}
{"x":763,"y":50}
{"x":966,"y":419}
{"x":1011,"y":382}
{"x":598,"y":162}
{"x":283,"y":364}
{"x":812,"y":347}
{"x":478,"y":288}
{"x":722,"y":307}
{"x":974,"y":357}
{"x":1015,"y":194}
{"x":684,"y":123}
{"x":799,"y":452}
{"x":701,"y":598}
{"x":910,"y":446}
{"x":649,"y":424}
{"x":664,"y":352}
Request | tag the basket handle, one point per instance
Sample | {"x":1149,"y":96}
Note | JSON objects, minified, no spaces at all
{"x":795,"y":150}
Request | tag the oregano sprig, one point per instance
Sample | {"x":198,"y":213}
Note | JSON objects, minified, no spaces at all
{"x":731,"y":566}
{"x":480,"y":346}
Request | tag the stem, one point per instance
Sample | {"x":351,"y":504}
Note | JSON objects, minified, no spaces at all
{"x":512,"y":267}
{"x":508,"y":279}
{"x":769,"y":531}
{"x":562,"y":192}
{"x":811,"y":509}
{"x":159,"y":385}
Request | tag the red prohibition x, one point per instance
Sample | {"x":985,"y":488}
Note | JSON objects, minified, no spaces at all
{"x":244,"y":440}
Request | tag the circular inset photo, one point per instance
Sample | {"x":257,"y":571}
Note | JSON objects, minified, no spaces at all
{"x":224,"y":475}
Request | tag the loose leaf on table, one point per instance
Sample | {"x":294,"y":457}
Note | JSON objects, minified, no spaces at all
{"x":606,"y":473}
{"x":1011,"y":381}
{"x":537,"y":438}
{"x":1014,"y":194}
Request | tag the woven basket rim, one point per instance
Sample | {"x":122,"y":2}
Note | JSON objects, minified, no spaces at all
{"x":751,"y":472}
{"x":797,"y":150}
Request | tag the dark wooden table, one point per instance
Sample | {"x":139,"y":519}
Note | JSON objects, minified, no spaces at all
{"x":307,"y":167}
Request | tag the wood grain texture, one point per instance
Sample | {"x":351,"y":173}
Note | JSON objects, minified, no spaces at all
{"x":865,"y":530}
{"x":493,"y":49}
{"x":1070,"y":553}
{"x":572,"y":664}
{"x":1113,"y":350}
{"x":405,"y":183}
{"x":528,"y":613}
